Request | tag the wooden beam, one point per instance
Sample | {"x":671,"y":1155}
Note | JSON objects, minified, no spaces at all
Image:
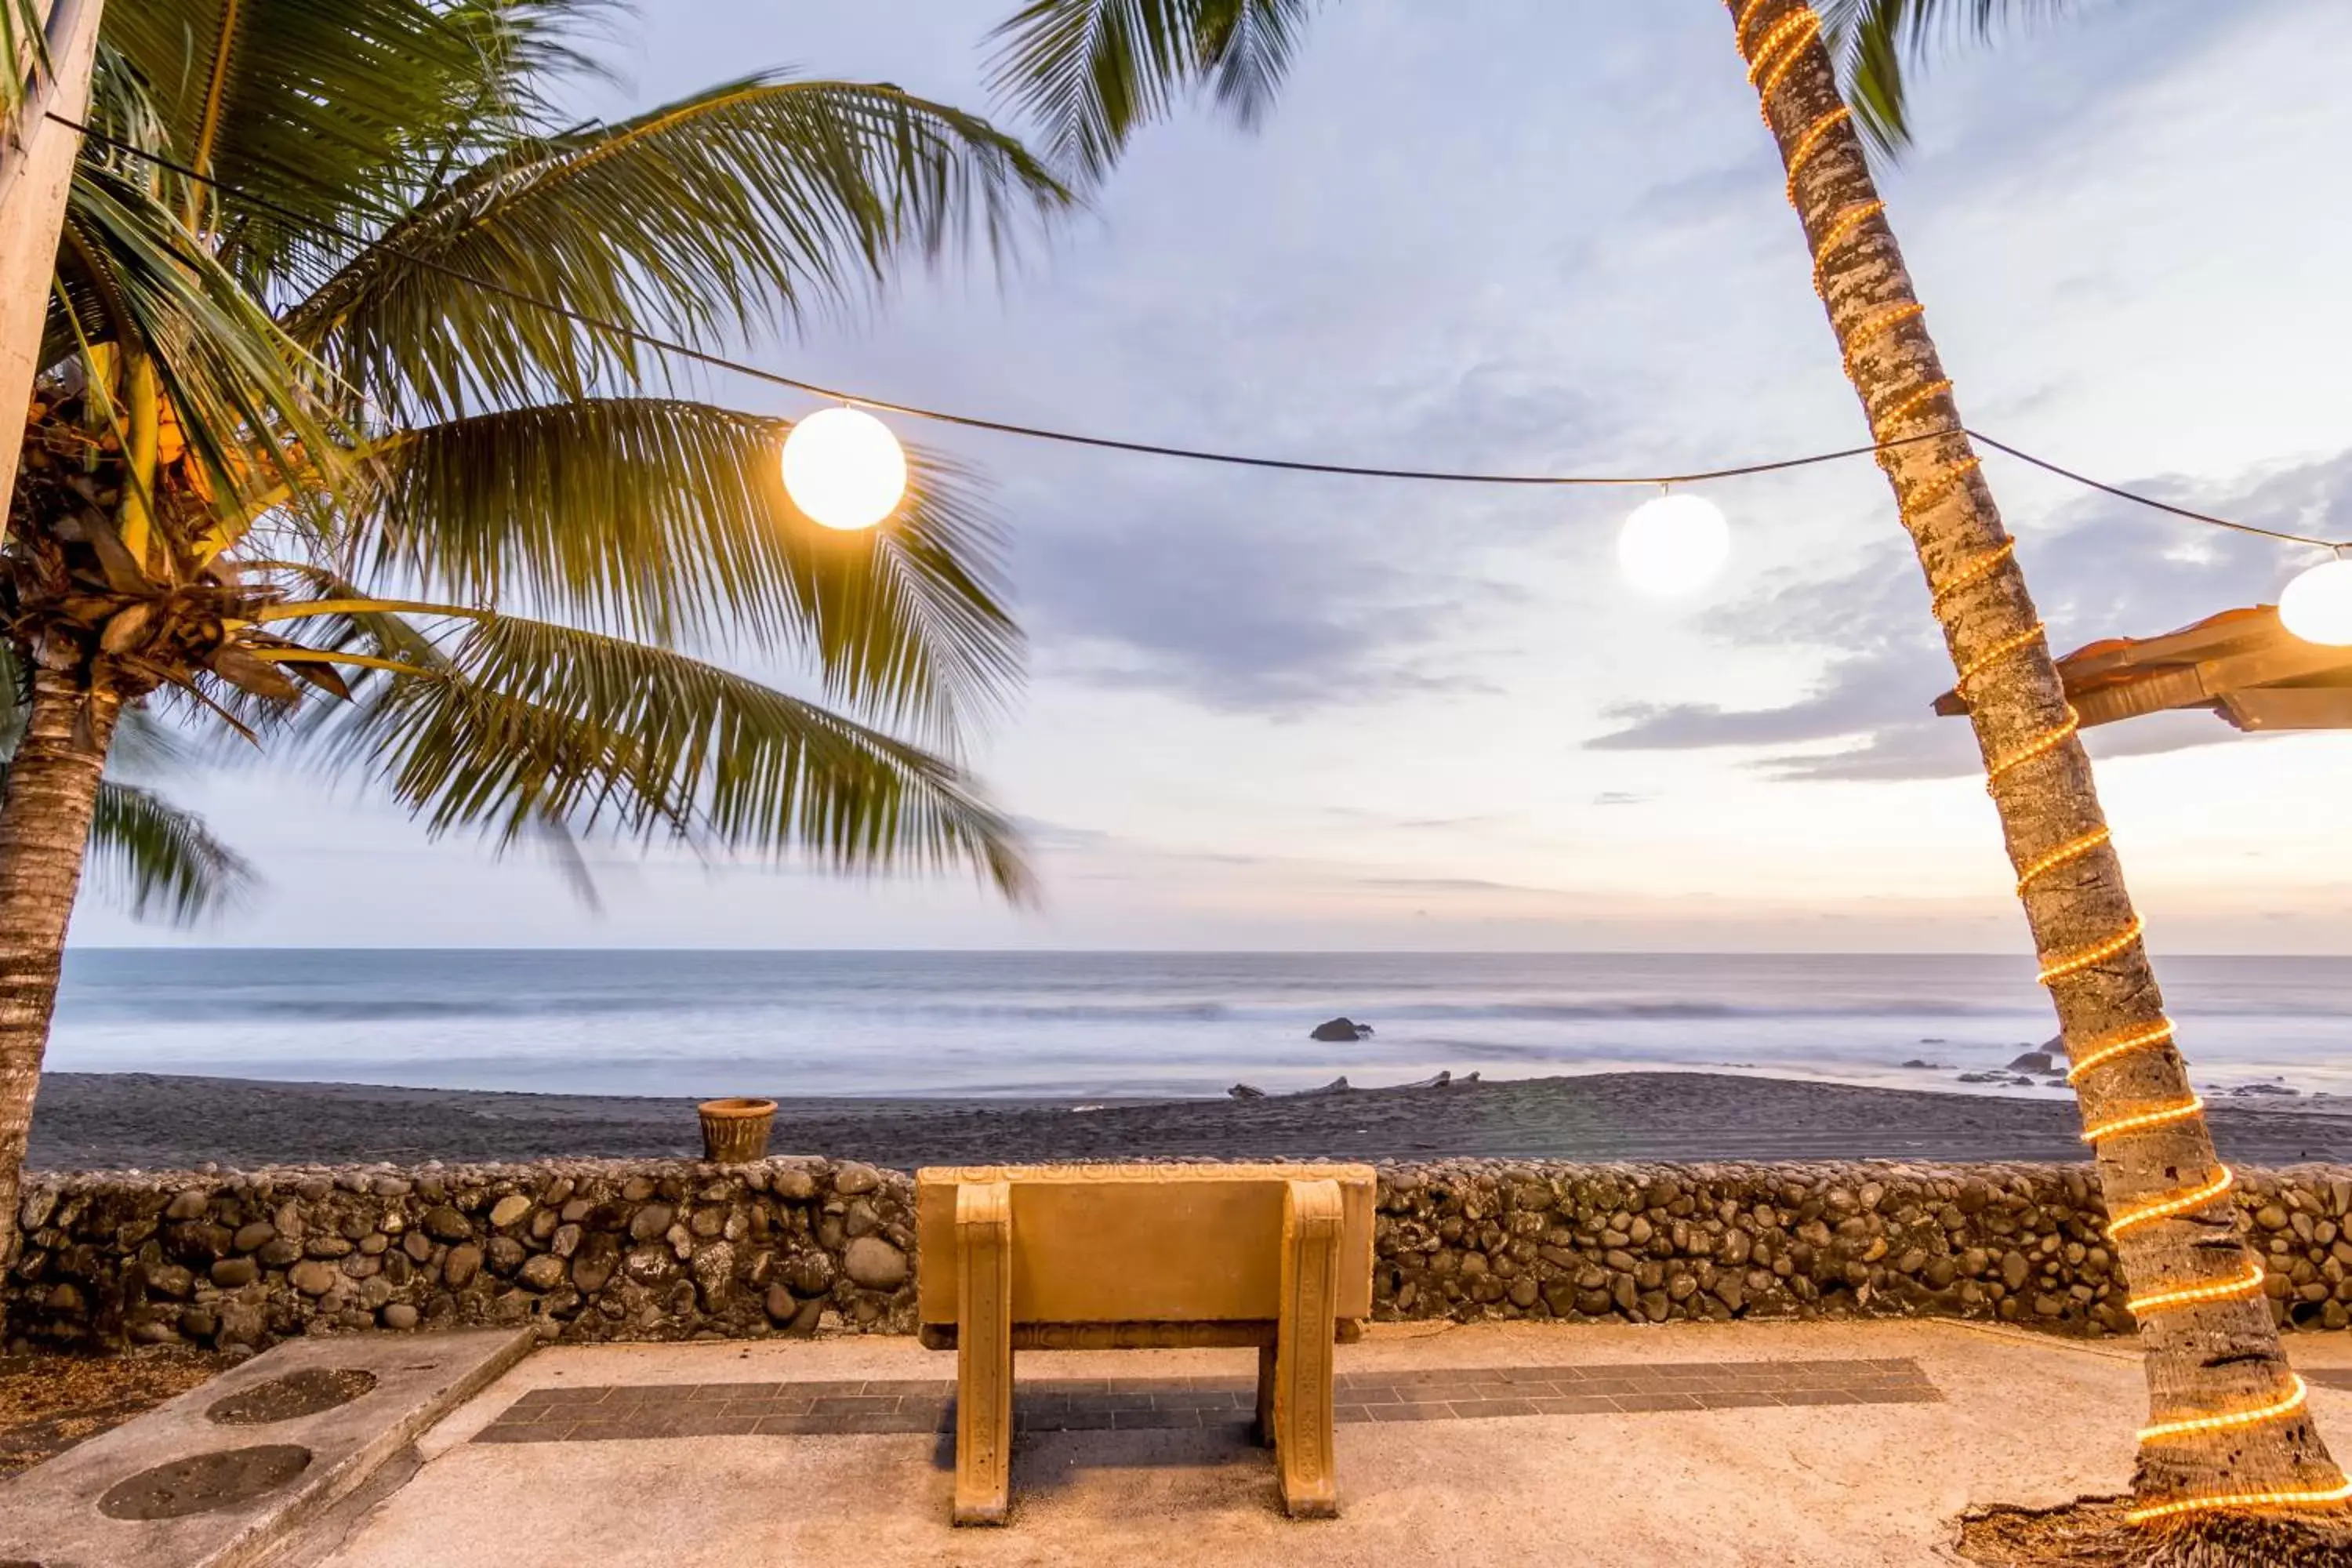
{"x":2287,"y":658}
{"x":2151,"y":694}
{"x":2228,"y":632}
{"x":2289,"y":708}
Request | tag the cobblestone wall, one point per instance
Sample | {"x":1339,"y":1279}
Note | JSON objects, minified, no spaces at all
{"x":606,"y":1251}
{"x":587,"y":1249}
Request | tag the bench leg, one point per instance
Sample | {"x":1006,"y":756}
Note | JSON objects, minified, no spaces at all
{"x":1302,"y":1353}
{"x":1266,"y":1365}
{"x":984,"y":1230}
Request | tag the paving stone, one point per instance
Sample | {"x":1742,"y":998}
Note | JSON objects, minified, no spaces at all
{"x":1658,"y":1401}
{"x":54,"y":1513}
{"x":913,"y":1406}
{"x":1577,"y":1405}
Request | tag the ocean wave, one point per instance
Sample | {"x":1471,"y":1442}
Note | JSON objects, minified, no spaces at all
{"x":1572,"y":1011}
{"x":181,"y":1009}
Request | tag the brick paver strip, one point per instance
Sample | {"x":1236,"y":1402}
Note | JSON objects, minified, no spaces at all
{"x":2331,"y":1377}
{"x":850,"y":1408}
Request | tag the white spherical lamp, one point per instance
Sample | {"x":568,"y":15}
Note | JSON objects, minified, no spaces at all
{"x":2317,"y":605}
{"x":1673,"y":545}
{"x":844,"y":468}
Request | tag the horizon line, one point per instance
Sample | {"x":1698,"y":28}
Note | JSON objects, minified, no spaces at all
{"x":2018,"y":955}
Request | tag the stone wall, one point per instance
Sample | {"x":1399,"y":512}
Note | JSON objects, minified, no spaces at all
{"x":586,"y":1249}
{"x":609,"y":1250}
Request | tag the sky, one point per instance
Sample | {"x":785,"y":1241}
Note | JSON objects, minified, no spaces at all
{"x":1271,"y":711}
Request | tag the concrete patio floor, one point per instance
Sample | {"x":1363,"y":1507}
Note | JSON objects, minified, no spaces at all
{"x":2010,"y":1418}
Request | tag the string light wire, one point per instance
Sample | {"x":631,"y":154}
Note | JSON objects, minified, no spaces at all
{"x":1775,"y":57}
{"x":671,"y":346}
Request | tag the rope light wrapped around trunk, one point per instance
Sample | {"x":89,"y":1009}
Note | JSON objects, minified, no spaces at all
{"x":1773,"y":56}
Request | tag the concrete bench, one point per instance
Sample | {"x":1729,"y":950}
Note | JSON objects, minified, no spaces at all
{"x":1145,"y":1257}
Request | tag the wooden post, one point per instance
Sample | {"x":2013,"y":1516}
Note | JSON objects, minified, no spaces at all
{"x":1302,"y":1353}
{"x":36,"y":171}
{"x":984,"y":1229}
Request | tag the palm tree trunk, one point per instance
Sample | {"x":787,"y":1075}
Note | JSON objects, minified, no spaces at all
{"x":2212,"y":1347}
{"x":44,"y":830}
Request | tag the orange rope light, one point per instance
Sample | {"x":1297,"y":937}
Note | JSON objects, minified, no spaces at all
{"x":1842,"y":229}
{"x":2073,"y":849}
{"x":1787,"y":62}
{"x":2144,"y":1120}
{"x":2083,"y":958}
{"x":1974,"y":572}
{"x":2288,"y":1405}
{"x":1995,"y":653}
{"x":2316,"y":1497}
{"x":1937,"y":494}
{"x":2164,"y":1208}
{"x":1914,"y":403}
{"x":2048,"y":740}
{"x":1871,"y":327}
{"x":1776,"y":54}
{"x":2247,"y":1284}
{"x":2122,"y":1048}
{"x":1811,"y":141}
{"x":1797,"y":27}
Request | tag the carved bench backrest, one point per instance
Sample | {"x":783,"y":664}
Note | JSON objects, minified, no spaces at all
{"x":1116,"y":1244}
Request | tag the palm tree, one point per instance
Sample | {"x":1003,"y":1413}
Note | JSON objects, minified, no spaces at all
{"x":2232,"y":1468}
{"x":288,"y":477}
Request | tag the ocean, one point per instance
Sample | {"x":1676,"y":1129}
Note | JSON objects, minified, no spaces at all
{"x":1116,"y":1024}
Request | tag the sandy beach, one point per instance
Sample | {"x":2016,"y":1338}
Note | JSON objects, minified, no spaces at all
{"x":105,"y":1120}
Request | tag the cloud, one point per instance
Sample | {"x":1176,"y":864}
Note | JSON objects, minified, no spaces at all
{"x":1258,"y":594}
{"x":1448,"y":885}
{"x":2105,"y":567}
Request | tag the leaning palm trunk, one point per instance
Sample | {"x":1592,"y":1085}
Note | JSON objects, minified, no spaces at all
{"x":44,"y":825}
{"x":2231,"y":1439}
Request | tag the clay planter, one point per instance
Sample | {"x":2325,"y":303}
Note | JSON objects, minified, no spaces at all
{"x":735,"y":1131}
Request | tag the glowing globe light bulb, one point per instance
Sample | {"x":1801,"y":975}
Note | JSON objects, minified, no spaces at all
{"x":844,"y":468}
{"x":1673,"y":545}
{"x":2317,"y":605}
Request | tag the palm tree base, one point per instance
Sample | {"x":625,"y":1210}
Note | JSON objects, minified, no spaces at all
{"x":2246,"y":1541}
{"x":2090,"y":1533}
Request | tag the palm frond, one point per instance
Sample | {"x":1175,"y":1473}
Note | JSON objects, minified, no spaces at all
{"x":322,"y":105}
{"x":248,"y":399}
{"x":530,"y":723}
{"x":161,"y":861}
{"x":750,"y":206}
{"x":1873,"y":40}
{"x":668,"y":521}
{"x":1094,"y":72}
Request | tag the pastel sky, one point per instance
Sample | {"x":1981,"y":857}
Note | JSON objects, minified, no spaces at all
{"x":1542,"y":235}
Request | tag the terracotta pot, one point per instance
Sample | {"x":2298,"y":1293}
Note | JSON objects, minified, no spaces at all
{"x":735,"y":1131}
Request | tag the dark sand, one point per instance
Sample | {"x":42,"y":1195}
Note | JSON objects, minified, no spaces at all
{"x":103,"y":1121}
